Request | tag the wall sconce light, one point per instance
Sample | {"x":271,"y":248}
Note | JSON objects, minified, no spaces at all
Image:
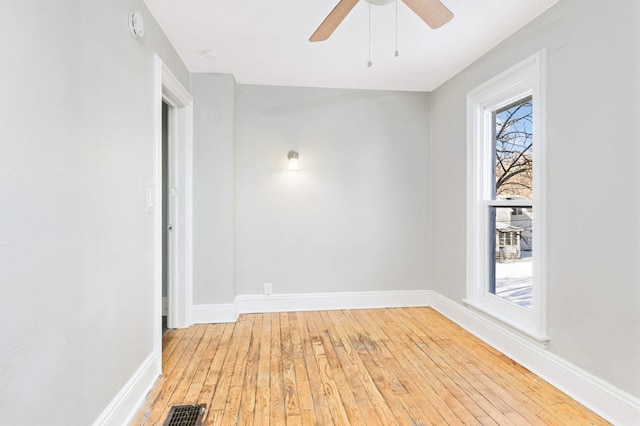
{"x":293,"y":160}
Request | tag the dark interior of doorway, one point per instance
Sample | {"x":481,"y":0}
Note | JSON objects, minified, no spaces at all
{"x":165,"y":212}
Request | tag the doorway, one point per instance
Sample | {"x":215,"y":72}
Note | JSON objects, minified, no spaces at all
{"x":170,"y":201}
{"x":166,"y":216}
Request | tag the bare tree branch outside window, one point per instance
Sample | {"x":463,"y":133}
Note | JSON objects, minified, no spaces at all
{"x":514,"y":151}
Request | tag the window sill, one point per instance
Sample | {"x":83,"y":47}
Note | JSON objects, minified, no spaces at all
{"x":497,"y":310}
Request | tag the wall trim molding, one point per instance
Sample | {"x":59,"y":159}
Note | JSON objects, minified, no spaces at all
{"x":331,"y":301}
{"x":520,"y":81}
{"x":167,"y":88}
{"x":128,"y":401}
{"x":258,"y":303}
{"x":213,"y":314}
{"x":604,"y":399}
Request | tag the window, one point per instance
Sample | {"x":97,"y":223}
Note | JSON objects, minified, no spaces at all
{"x":506,"y":135}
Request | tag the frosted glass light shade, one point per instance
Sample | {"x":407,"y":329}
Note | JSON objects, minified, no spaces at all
{"x":294,"y":164}
{"x":293,"y":160}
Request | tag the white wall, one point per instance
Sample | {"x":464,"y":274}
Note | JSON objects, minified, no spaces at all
{"x":355,"y":217}
{"x":593,"y":200}
{"x":76,"y":154}
{"x":214,"y":188}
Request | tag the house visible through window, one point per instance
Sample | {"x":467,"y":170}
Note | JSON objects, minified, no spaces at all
{"x":505,"y":247}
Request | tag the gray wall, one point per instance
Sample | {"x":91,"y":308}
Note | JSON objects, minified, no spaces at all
{"x":214,"y":188}
{"x":592,"y":167}
{"x":76,"y":154}
{"x":355,"y":217}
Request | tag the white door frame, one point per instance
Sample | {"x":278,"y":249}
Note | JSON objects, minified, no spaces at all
{"x":180,"y":287}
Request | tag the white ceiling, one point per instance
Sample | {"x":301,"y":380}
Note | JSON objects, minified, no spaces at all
{"x":266,"y":41}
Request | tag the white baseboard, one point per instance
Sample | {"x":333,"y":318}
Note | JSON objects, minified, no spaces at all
{"x":213,"y":314}
{"x":126,"y":403}
{"x":257,"y":303}
{"x":331,"y":301}
{"x":604,"y":399}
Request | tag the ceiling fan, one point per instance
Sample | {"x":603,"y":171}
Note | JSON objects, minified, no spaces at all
{"x":433,"y":12}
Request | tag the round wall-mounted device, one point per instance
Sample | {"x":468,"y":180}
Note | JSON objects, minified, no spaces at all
{"x":136,"y":24}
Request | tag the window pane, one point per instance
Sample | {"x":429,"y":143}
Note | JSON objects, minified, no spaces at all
{"x":514,"y":151}
{"x":511,"y":274}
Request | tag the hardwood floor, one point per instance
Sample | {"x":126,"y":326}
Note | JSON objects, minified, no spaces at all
{"x":408,"y":366}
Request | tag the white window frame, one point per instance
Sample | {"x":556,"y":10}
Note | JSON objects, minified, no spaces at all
{"x":528,"y":78}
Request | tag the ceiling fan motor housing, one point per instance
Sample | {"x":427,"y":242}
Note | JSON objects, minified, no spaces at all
{"x":379,"y":2}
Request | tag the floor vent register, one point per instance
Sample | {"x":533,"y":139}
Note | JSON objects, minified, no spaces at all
{"x":185,"y":415}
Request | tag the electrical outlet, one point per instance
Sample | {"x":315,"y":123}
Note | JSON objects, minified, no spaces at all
{"x":268,"y":288}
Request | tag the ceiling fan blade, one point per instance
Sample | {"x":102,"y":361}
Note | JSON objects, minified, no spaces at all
{"x":433,"y":12}
{"x":332,"y":21}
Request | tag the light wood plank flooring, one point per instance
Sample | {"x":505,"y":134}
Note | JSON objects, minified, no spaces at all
{"x":408,"y":366}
